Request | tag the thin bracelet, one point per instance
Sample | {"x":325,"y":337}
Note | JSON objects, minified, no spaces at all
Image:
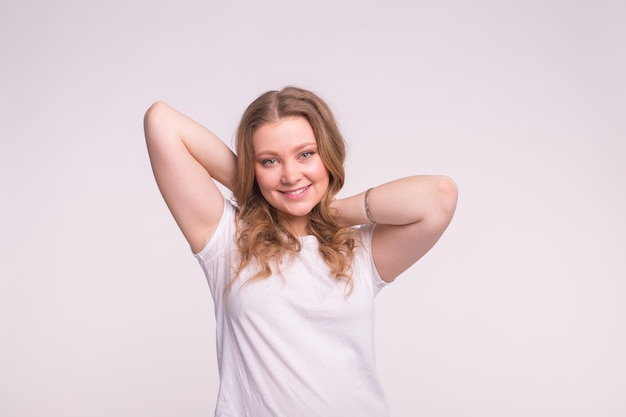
{"x":366,"y":203}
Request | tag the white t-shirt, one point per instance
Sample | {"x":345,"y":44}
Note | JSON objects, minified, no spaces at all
{"x":294,"y":345}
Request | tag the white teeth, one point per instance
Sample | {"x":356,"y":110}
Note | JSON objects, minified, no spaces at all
{"x":297,"y":192}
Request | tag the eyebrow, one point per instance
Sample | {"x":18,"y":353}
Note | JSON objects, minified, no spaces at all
{"x":298,"y":148}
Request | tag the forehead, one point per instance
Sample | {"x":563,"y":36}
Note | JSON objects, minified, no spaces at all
{"x":287,"y":132}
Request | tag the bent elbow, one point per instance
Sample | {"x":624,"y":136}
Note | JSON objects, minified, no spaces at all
{"x":154,"y":112}
{"x":448,"y":196}
{"x":153,"y":119}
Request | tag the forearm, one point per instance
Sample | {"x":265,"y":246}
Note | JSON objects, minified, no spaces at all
{"x":167,"y":130}
{"x":404,"y":201}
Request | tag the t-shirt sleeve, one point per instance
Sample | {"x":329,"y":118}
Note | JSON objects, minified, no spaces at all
{"x":366,"y":232}
{"x":215,"y":257}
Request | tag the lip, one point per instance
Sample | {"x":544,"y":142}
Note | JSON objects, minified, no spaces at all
{"x":296,"y":193}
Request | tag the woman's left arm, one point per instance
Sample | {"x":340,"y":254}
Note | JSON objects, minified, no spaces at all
{"x":412,"y":213}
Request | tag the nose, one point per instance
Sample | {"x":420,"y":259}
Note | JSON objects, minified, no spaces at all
{"x":291,"y":174}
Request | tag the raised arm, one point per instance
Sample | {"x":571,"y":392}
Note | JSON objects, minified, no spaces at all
{"x":412,"y":213}
{"x":186,"y":158}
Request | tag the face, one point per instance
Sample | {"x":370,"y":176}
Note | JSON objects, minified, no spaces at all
{"x":288,"y":168}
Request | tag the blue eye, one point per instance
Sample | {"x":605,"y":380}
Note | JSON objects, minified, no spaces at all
{"x":269,"y":162}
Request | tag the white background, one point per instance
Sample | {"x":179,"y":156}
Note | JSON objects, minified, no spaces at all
{"x":518,"y":311}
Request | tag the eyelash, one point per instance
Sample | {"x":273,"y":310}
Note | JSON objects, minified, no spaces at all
{"x":272,"y":161}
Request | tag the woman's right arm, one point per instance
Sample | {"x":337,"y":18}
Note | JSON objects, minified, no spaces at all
{"x":186,"y":159}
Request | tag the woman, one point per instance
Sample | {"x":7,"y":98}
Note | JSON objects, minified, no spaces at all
{"x":293,"y":271}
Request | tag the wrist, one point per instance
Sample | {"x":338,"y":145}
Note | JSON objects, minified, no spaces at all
{"x":366,"y":206}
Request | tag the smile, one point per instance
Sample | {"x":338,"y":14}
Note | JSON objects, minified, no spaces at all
{"x":296,"y":193}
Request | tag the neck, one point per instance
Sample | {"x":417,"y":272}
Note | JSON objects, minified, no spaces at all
{"x":297,"y":225}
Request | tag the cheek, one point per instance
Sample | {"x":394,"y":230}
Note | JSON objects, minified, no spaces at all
{"x":320,"y":172}
{"x":263,"y":177}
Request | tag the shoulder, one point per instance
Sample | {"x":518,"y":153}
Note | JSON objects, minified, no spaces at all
{"x":365,"y":233}
{"x":222,"y":238}
{"x":363,"y":264}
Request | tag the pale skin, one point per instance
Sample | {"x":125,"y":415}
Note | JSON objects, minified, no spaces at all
{"x":412,"y":212}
